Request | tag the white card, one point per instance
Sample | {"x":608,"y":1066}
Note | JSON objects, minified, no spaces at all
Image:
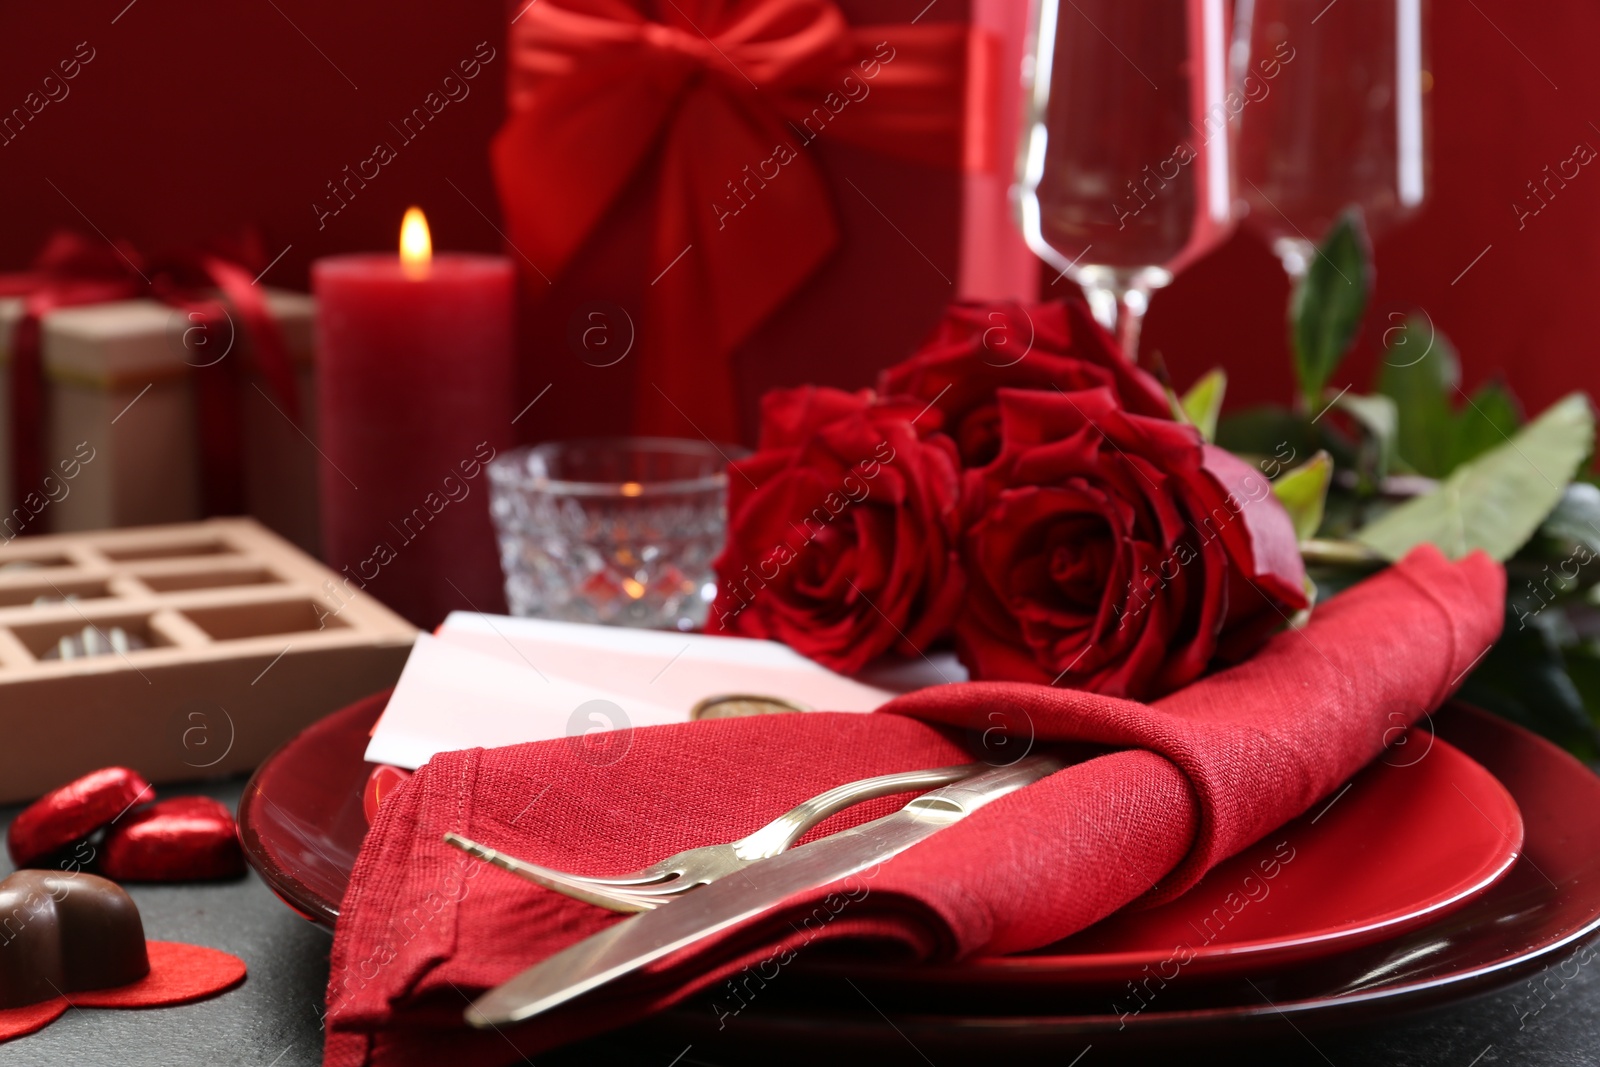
{"x":450,"y":697}
{"x":489,"y":680}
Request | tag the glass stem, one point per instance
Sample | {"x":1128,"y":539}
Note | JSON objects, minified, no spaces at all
{"x":1296,"y":254}
{"x":1120,"y":309}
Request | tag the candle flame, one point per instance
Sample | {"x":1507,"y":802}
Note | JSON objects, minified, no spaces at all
{"x":416,"y":246}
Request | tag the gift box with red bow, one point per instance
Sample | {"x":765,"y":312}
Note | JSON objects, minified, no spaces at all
{"x":710,"y":199}
{"x":135,"y":392}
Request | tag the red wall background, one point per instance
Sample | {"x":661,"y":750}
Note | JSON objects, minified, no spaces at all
{"x":194,"y":119}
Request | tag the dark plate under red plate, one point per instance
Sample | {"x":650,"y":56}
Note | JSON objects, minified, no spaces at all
{"x":1544,"y":909}
{"x":301,"y":822}
{"x":301,"y":819}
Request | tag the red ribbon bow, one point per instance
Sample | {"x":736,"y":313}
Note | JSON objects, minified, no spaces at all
{"x":72,"y":270}
{"x":721,"y":99}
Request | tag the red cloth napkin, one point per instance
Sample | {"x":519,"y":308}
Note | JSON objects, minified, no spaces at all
{"x":1189,"y":781}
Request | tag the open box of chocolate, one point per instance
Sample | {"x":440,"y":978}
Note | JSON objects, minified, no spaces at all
{"x":182,"y":651}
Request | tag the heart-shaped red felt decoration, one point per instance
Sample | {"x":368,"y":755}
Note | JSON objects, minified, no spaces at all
{"x":179,"y":974}
{"x":76,"y":940}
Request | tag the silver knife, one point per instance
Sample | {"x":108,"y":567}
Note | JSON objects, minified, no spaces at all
{"x":633,"y":943}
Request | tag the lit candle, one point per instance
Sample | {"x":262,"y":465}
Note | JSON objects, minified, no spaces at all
{"x":414,"y":381}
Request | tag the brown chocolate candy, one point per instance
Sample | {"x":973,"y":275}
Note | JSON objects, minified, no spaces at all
{"x":61,"y":933}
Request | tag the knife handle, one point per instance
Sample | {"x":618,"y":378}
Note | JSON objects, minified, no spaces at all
{"x":778,"y":835}
{"x":961,"y":799}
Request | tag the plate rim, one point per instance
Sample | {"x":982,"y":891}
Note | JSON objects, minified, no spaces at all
{"x":1216,"y":959}
{"x":295,"y":894}
{"x":1391,"y":997}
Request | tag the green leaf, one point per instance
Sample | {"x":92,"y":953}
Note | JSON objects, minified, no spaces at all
{"x":1576,"y":519}
{"x":1326,"y":308}
{"x":1498,"y":500}
{"x":1303,"y":492}
{"x":1264,"y":430}
{"x":1583,"y":668}
{"x":1278,"y":439}
{"x":1378,"y":417}
{"x":1420,"y":373}
{"x":1175,"y":406}
{"x":1202,"y":404}
{"x":1526,"y":678}
{"x":1492,"y":414}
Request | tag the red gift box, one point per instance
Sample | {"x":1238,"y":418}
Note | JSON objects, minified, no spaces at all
{"x":711,"y":200}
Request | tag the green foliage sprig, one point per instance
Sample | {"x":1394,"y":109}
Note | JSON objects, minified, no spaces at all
{"x":1419,"y":460}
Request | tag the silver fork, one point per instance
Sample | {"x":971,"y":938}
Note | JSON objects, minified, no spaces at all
{"x":667,"y":879}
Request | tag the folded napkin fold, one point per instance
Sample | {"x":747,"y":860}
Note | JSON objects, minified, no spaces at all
{"x":1167,"y":791}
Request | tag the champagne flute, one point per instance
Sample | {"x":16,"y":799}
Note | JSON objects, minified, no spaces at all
{"x":1336,"y":115}
{"x":1125,"y":169}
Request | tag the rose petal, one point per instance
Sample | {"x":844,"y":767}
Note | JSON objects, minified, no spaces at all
{"x":1264,"y":543}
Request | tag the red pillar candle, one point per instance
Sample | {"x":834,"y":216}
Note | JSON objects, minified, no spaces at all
{"x":414,"y":382}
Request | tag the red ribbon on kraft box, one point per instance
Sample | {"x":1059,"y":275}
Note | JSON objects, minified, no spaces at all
{"x":72,"y":270}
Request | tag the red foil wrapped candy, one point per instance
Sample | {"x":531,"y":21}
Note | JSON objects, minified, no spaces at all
{"x":74,"y":811}
{"x":186,"y":839}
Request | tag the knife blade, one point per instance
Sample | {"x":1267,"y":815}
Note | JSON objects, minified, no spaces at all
{"x":633,"y":943}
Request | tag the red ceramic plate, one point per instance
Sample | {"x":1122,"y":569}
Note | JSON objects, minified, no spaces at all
{"x":1406,"y":841}
{"x":301,"y":822}
{"x":301,"y":819}
{"x":1546,"y":907}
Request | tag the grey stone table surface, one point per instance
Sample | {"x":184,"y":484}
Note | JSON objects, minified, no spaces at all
{"x":275,"y":1018}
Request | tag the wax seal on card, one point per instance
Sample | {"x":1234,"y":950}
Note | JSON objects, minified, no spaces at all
{"x":73,"y":811}
{"x":740,"y":705}
{"x":185,"y":839}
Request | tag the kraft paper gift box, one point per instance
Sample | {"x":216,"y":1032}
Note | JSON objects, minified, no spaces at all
{"x":121,"y":446}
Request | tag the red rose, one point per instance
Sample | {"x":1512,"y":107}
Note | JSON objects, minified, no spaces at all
{"x":842,"y":529}
{"x":1111,"y":551}
{"x":978,"y":349}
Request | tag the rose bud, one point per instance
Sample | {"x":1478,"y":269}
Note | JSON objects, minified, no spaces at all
{"x":1117,"y":553}
{"x":842,"y":529}
{"x":978,"y":349}
{"x":74,"y":811}
{"x":185,"y":839}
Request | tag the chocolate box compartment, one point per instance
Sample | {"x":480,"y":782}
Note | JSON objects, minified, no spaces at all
{"x":246,"y":648}
{"x":40,"y":638}
{"x":216,"y":578}
{"x":182,"y":548}
{"x":233,"y":622}
{"x":27,"y":594}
